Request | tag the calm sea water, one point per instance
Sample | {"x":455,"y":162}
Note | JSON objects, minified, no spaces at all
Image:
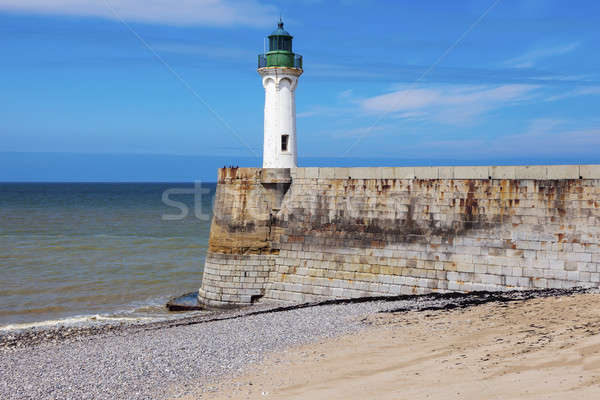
{"x":77,"y":252}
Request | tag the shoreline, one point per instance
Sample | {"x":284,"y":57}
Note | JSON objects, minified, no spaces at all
{"x":31,"y":337}
{"x":185,"y":356}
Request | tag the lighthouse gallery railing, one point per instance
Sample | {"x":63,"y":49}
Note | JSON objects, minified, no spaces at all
{"x":288,"y":60}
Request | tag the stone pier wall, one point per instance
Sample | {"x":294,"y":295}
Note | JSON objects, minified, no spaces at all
{"x":320,"y":233}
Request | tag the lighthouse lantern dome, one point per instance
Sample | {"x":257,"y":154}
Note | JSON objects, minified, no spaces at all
{"x":280,"y":39}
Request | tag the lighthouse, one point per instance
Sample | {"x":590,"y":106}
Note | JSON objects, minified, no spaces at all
{"x":280,"y":69}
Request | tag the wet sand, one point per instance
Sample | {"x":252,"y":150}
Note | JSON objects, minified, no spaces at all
{"x":545,"y":348}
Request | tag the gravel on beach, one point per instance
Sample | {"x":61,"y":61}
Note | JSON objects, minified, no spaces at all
{"x":174,"y":358}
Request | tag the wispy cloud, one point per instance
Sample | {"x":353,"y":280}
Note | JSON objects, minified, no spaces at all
{"x":358,"y":132}
{"x":314,"y":111}
{"x":342,"y":71}
{"x":457,"y":104}
{"x":545,"y":138}
{"x":203,"y":50}
{"x":345,"y":94}
{"x":181,"y":12}
{"x":585,"y":91}
{"x":582,"y":79}
{"x":530,"y":59}
{"x":329,"y":111}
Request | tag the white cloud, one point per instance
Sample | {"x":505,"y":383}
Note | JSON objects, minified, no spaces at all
{"x":180,"y":12}
{"x":529,"y":59}
{"x":448,"y":104}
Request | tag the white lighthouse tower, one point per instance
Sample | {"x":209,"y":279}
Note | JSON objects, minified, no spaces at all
{"x":280,"y":69}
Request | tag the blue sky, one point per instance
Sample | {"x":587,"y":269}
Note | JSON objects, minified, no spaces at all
{"x":81,"y":77}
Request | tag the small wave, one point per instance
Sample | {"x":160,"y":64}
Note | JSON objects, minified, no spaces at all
{"x":72,"y":321}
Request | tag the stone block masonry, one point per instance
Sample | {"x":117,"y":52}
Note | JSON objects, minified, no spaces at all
{"x":310,"y":234}
{"x":232,"y":279}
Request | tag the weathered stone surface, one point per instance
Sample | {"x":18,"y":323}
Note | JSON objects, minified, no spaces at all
{"x":386,"y":173}
{"x":231,"y":280}
{"x":326,"y":173}
{"x":471,"y":173}
{"x":333,"y":237}
{"x":563,"y":171}
{"x":311,"y":172}
{"x":275,"y":175}
{"x":426,"y":172}
{"x":589,"y":171}
{"x":446,"y":173}
{"x":531,"y":172}
{"x":363,"y":173}
{"x":341,"y":173}
{"x":241,"y":218}
{"x":503,"y":172}
{"x":404,"y":172}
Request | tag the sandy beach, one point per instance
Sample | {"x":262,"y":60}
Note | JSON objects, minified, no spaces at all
{"x":536,"y":349}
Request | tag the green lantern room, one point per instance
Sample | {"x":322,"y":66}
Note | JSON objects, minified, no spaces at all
{"x":280,"y":54}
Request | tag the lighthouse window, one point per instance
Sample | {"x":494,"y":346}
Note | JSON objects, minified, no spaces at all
{"x":284,"y":142}
{"x":286,"y":44}
{"x":280,"y":43}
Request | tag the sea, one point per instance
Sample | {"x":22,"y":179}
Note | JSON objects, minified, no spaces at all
{"x":78,"y":253}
